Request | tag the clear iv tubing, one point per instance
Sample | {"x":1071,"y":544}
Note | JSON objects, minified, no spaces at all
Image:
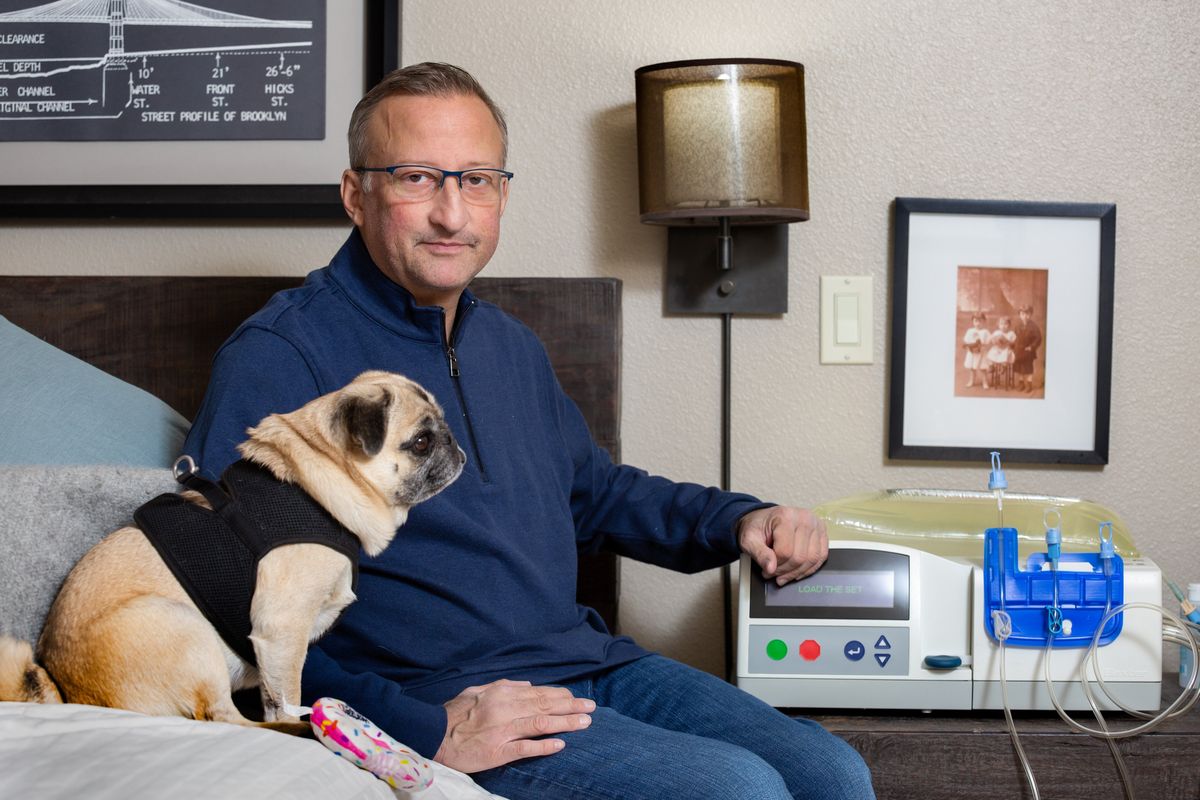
{"x":1181,"y":705}
{"x":1002,"y":624}
{"x":1110,"y":741}
{"x":1122,"y":772}
{"x":997,"y":483}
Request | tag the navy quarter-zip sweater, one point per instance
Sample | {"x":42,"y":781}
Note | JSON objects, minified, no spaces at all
{"x":479,"y":584}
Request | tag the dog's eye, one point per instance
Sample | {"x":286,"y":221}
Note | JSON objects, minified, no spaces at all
{"x":421,"y":444}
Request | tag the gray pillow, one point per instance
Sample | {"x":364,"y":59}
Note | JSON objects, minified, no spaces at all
{"x":51,"y":517}
{"x":56,"y":409}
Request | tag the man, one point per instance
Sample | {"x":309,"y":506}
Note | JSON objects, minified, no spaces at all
{"x":1029,"y":339}
{"x":466,"y":642}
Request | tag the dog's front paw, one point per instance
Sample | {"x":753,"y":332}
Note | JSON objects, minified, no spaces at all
{"x":275,"y":709}
{"x":272,"y":711}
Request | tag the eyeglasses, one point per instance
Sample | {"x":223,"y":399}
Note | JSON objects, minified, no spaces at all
{"x":415,"y":183}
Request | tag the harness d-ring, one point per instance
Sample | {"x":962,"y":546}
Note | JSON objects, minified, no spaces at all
{"x":188,"y":472}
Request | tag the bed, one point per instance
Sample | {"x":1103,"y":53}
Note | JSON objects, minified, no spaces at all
{"x":158,"y":334}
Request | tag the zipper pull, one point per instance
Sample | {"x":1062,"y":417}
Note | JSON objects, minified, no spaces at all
{"x":453,"y":361}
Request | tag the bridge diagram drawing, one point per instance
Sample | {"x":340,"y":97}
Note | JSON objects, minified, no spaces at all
{"x":75,"y":70}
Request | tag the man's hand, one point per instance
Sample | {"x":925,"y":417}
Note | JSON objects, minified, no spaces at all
{"x":494,"y":724}
{"x":787,"y":543}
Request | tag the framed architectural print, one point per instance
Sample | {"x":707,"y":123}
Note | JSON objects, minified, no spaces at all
{"x":1001,"y":331}
{"x":233,"y":109}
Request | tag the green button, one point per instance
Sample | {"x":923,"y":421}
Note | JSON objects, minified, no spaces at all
{"x":776,"y":650}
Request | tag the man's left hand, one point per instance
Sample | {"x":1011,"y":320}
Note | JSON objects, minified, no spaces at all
{"x":786,"y":543}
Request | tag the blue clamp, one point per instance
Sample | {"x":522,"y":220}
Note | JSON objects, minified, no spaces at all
{"x":1054,"y":622}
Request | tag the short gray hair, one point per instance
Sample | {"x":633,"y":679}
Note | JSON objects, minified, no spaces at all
{"x":429,"y":79}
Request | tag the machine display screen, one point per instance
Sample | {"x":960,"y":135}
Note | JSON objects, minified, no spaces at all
{"x":854,"y":583}
{"x":836,"y":588}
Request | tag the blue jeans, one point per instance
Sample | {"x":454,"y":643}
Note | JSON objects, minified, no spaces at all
{"x":664,"y":731}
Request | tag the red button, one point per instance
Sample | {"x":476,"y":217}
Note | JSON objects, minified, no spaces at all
{"x":810,"y":650}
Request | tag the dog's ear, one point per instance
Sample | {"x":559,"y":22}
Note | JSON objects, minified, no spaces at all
{"x":363,"y":419}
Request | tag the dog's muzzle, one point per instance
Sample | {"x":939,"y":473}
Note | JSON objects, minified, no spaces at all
{"x":441,"y":468}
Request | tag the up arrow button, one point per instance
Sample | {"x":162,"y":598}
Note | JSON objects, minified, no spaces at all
{"x":882,"y":643}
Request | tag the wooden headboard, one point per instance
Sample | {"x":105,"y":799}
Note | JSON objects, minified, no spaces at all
{"x":160,"y":333}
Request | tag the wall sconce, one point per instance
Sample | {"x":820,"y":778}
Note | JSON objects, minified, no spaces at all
{"x":722,"y":148}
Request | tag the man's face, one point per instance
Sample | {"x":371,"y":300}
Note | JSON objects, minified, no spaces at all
{"x":435,"y":247}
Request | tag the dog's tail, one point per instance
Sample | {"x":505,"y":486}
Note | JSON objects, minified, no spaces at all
{"x":21,"y":678}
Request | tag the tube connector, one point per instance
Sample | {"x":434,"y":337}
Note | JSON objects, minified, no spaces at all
{"x":1106,"y":547}
{"x":996,"y":479}
{"x":1188,"y":604}
{"x":997,"y":483}
{"x":1053,"y":536}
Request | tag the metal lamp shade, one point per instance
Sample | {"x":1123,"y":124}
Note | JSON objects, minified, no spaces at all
{"x":722,"y":138}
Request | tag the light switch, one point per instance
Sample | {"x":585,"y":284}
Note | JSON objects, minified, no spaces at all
{"x":847,"y":319}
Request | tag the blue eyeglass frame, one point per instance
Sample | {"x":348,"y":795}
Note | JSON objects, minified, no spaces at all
{"x":446,"y":173}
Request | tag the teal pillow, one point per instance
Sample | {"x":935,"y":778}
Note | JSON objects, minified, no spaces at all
{"x":56,"y":409}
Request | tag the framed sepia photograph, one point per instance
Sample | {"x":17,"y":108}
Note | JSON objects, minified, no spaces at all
{"x":1001,"y":331}
{"x":221,"y":109}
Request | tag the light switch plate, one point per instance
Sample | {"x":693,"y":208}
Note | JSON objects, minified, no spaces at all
{"x":847,"y":319}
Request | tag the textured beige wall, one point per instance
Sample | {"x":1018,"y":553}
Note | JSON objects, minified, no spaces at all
{"x":1027,"y":100}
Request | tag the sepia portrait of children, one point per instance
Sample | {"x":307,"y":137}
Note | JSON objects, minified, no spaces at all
{"x":1000,"y":325}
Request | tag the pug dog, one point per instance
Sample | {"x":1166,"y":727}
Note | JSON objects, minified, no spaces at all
{"x":125,"y":632}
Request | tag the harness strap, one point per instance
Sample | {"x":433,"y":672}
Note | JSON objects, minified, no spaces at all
{"x":221,"y":503}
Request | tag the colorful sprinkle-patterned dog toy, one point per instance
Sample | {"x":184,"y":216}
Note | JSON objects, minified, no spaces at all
{"x":358,"y":740}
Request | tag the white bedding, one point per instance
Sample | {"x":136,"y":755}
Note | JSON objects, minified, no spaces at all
{"x":73,"y":751}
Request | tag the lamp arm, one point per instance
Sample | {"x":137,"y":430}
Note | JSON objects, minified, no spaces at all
{"x":725,"y":245}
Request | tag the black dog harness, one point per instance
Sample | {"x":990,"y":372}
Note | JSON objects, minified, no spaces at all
{"x":215,"y":554}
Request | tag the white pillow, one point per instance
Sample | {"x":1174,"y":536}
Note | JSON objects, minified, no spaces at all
{"x":73,"y":751}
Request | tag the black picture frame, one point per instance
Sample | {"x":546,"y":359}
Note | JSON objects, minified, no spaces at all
{"x":933,"y":415}
{"x":381,"y":54}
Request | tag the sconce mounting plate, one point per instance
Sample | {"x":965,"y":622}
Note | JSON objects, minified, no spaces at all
{"x":695,"y":283}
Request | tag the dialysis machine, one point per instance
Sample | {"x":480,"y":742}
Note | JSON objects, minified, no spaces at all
{"x":922,"y":586}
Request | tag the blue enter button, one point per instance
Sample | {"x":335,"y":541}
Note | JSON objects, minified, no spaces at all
{"x":854,"y":650}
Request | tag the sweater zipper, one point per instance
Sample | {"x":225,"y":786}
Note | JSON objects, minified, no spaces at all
{"x":455,"y":374}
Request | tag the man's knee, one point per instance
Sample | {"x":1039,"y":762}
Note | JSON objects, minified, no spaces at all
{"x":731,"y":772}
{"x":849,"y":770}
{"x":830,"y":767}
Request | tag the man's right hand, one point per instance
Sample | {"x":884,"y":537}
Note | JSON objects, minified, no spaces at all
{"x":491,"y":725}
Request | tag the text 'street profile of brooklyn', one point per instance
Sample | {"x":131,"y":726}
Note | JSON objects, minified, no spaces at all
{"x":162,"y":70}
